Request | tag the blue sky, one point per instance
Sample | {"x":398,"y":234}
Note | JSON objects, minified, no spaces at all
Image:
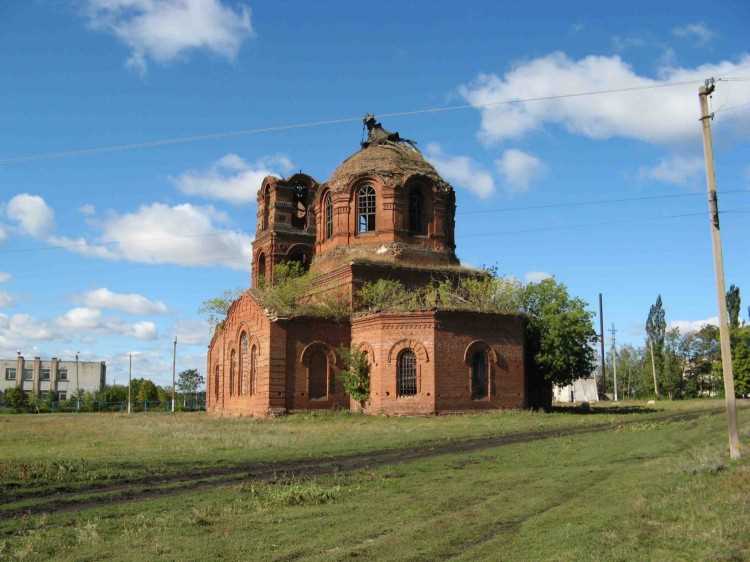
{"x":112,"y":252}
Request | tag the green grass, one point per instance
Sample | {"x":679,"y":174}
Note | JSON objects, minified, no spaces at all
{"x":649,"y":489}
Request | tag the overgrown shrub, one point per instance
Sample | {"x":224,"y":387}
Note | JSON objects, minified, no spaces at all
{"x":355,"y":376}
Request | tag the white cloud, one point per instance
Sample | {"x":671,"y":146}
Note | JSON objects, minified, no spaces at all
{"x":461,"y":171}
{"x":677,"y":170}
{"x":3,"y":233}
{"x":87,"y":210}
{"x":192,"y":332}
{"x":5,"y":299}
{"x":231,"y":178}
{"x":83,"y":247}
{"x":664,"y":115}
{"x":519,"y":169}
{"x":132,"y":303}
{"x":537,"y":276}
{"x":85,"y":319}
{"x":164,"y":30}
{"x":17,"y":330}
{"x":4,"y":277}
{"x":32,"y":213}
{"x":698,"y":31}
{"x":688,"y":326}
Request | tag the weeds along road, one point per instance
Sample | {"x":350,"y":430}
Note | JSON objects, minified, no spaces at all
{"x":33,"y":502}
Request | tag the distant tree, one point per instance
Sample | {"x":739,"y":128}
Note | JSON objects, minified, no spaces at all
{"x":16,"y":398}
{"x":656,"y":325}
{"x":560,"y":332}
{"x":741,"y":361}
{"x":734,"y":306}
{"x":189,"y":381}
{"x":147,"y":391}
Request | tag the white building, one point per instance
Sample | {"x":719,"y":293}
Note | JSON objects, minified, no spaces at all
{"x":582,"y":390}
{"x":61,"y":378}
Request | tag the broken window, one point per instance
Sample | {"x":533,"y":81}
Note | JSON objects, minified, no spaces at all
{"x":479,"y":378}
{"x":366,"y":209}
{"x":299,"y":213}
{"x":416,"y":212}
{"x":317,"y":374}
{"x":328,"y":212}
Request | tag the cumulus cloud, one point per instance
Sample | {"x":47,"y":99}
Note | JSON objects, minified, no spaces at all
{"x":537,"y":276}
{"x":87,"y":210}
{"x":665,"y":115}
{"x":5,"y":299}
{"x":519,"y":169}
{"x":231,"y":178}
{"x":132,"y":303}
{"x":192,"y":332}
{"x":85,"y":319}
{"x":688,"y":326}
{"x":164,"y":30}
{"x":32,"y":213}
{"x":3,"y":233}
{"x":4,"y":277}
{"x":462,"y":171}
{"x":698,"y":31}
{"x":19,"y":329}
{"x":678,"y":170}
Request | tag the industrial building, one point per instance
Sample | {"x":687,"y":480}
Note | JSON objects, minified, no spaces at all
{"x":61,"y":378}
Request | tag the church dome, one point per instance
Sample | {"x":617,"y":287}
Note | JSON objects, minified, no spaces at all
{"x":394,"y":161}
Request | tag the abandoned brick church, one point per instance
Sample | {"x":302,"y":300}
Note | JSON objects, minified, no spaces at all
{"x":384,"y":213}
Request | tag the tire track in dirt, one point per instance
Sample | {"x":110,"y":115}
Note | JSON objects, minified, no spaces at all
{"x":144,"y":488}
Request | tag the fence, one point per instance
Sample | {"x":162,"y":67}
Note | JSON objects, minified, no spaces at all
{"x":144,"y":406}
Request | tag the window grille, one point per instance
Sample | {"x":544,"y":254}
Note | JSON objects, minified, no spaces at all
{"x":328,"y":210}
{"x":244,"y":382}
{"x":406,"y":373}
{"x":479,"y":379}
{"x":253,"y":369}
{"x":366,"y":209}
{"x":416,"y":212}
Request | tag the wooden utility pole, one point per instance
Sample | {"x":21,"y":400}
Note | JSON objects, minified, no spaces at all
{"x":653,"y":367}
{"x":601,"y":345}
{"x":614,"y":358}
{"x":713,"y":208}
{"x":130,"y":379}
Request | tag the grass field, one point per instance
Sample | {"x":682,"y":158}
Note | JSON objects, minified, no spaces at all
{"x":619,"y":483}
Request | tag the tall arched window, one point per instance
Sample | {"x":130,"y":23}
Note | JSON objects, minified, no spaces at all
{"x":261,"y":270}
{"x":406,"y":373}
{"x":328,"y":216}
{"x":244,"y":382}
{"x":317,"y":373}
{"x":232,"y":372}
{"x":479,"y":375}
{"x":366,"y":209}
{"x":416,"y":212}
{"x":266,"y":206}
{"x":216,"y":384}
{"x":253,"y":368}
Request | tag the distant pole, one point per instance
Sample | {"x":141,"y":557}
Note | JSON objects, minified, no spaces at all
{"x":130,"y":379}
{"x":653,"y":367}
{"x":601,"y":343}
{"x":713,"y":207}
{"x":174,"y":363}
{"x":78,"y":389}
{"x":614,"y":358}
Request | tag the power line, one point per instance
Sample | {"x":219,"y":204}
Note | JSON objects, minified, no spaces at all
{"x":280,"y":128}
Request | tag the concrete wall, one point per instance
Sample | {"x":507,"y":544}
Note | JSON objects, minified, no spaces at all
{"x":44,"y":376}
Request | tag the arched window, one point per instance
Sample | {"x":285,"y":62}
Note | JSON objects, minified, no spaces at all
{"x":261,"y":270}
{"x":416,"y":212}
{"x":216,"y":384}
{"x":328,"y":216}
{"x":366,"y":209}
{"x":253,"y":368}
{"x":232,"y":372}
{"x":266,"y":206}
{"x":317,"y":372}
{"x":406,"y":373}
{"x":244,"y":382}
{"x":479,"y":375}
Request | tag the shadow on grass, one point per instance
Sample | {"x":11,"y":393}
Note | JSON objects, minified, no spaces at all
{"x":613,"y":410}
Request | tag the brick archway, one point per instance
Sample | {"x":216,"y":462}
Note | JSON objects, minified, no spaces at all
{"x":417,"y":346}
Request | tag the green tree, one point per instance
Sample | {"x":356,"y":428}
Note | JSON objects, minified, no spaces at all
{"x":741,"y":361}
{"x":16,"y":398}
{"x":734,"y":306}
{"x":215,"y":309}
{"x":147,"y":391}
{"x":355,"y":376}
{"x":560,"y":332}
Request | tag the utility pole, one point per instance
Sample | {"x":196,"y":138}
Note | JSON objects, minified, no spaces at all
{"x":78,"y":389}
{"x":614,"y":358}
{"x":130,"y":379}
{"x":713,"y":208}
{"x":174,"y":362}
{"x":653,"y":367}
{"x":601,"y":344}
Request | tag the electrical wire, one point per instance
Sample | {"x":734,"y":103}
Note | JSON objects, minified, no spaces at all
{"x":280,"y":128}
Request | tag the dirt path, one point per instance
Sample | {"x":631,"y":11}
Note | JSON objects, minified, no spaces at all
{"x":142,"y":488}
